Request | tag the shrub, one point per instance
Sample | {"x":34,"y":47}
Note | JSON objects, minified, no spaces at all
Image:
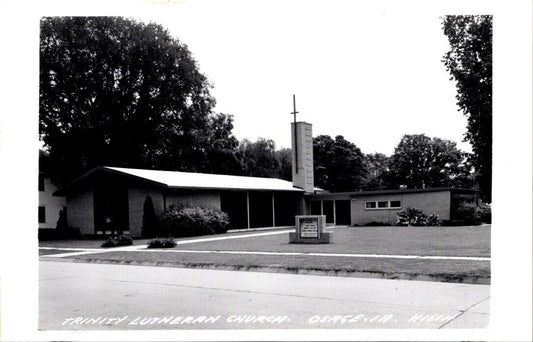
{"x":194,"y":220}
{"x":411,"y":217}
{"x":415,"y":217}
{"x":484,"y":213}
{"x":434,"y":220}
{"x":162,"y":243}
{"x":62,"y":224}
{"x":151,"y":226}
{"x":471,"y":214}
{"x":116,"y":241}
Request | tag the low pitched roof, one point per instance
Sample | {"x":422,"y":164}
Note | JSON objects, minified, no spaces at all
{"x":176,"y":179}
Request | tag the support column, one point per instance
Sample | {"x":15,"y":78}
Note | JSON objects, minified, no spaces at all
{"x":248,"y":208}
{"x":273,"y":212}
{"x":334,"y":214}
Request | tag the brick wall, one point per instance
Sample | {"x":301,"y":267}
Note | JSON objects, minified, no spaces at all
{"x":429,"y":202}
{"x":80,"y":210}
{"x":137,"y":195}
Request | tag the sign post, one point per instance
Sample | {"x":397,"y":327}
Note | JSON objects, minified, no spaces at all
{"x":310,"y":229}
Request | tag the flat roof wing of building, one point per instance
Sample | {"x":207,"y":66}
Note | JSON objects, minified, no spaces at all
{"x":354,"y":194}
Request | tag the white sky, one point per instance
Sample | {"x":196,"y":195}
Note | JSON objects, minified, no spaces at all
{"x":370,"y":72}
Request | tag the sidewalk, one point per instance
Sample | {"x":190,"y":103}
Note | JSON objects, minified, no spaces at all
{"x":86,"y":296}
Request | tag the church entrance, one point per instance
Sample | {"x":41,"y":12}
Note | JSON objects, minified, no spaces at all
{"x":342,"y":212}
{"x":111,"y":216}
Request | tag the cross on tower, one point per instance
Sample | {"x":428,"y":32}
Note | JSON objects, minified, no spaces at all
{"x":295,"y":133}
{"x":294,"y":106}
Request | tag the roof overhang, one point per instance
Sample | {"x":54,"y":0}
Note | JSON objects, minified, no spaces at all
{"x":185,"y":180}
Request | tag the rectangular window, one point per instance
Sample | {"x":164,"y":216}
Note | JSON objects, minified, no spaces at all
{"x":383,"y":204}
{"x":370,"y":205}
{"x":41,"y":182}
{"x":42,"y":214}
{"x":395,"y":204}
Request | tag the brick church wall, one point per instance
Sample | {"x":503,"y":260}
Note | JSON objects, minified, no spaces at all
{"x":429,"y":202}
{"x":80,"y":213}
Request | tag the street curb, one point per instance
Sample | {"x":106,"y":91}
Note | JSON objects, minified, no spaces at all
{"x":447,"y":278}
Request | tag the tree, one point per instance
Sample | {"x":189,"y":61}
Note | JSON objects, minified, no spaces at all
{"x":114,"y":91}
{"x":220,"y":154}
{"x":377,"y":166}
{"x":469,"y":61}
{"x":259,"y":159}
{"x":338,"y":164}
{"x":150,"y":227}
{"x":419,"y":161}
{"x":285,"y":158}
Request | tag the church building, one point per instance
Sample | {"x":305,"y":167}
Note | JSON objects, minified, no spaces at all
{"x":110,"y":199}
{"x":107,"y":199}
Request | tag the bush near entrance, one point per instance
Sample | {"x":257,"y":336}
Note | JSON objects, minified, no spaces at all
{"x":470,"y":214}
{"x":162,"y":243}
{"x":179,"y":221}
{"x":415,"y":217}
{"x":121,"y":240}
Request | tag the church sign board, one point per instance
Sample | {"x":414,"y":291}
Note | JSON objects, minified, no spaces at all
{"x":310,"y":229}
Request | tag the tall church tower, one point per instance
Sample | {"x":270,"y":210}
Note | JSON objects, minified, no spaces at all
{"x":302,"y":154}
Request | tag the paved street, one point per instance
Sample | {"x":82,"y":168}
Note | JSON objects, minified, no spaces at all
{"x":83,"y":296}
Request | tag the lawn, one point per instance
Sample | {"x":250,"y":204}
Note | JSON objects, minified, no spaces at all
{"x":423,"y":241}
{"x":441,"y":241}
{"x":83,"y":243}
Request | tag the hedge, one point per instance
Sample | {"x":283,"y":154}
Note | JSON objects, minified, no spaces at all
{"x":179,"y":221}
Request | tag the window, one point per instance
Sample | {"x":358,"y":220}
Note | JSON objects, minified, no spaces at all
{"x":42,"y":214}
{"x":41,"y":182}
{"x":370,"y":205}
{"x":383,"y":204}
{"x":375,"y":205}
{"x":395,"y":204}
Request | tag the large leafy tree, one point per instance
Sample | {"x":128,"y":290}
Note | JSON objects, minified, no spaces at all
{"x":338,"y":164}
{"x":377,"y":167}
{"x":419,"y":161}
{"x":469,"y":61}
{"x":285,"y":158}
{"x":220,"y":154}
{"x":114,"y":91}
{"x":261,"y":159}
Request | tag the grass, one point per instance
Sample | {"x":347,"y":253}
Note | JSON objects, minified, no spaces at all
{"x":82,"y":243}
{"x":443,"y":270}
{"x":440,"y":241}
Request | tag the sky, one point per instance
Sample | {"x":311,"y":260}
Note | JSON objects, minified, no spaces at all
{"x":368,"y":71}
